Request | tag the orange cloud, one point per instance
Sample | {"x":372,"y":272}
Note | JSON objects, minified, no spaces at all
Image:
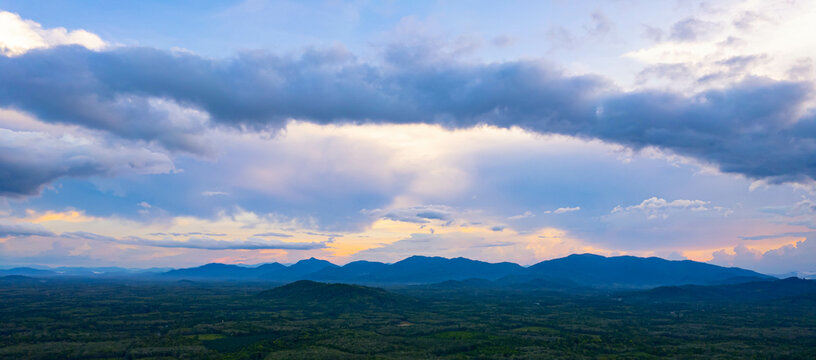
{"x":73,"y":216}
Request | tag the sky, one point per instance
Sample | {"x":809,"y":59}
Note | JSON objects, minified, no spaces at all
{"x":174,"y":134}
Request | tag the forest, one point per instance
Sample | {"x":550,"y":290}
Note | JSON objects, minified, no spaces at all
{"x":132,"y":319}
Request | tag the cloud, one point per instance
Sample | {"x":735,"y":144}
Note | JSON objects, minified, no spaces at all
{"x":503,"y":41}
{"x":671,"y":72}
{"x":655,"y":207}
{"x":186,"y":234}
{"x":748,"y":20}
{"x":273,"y":234}
{"x":601,"y":25}
{"x":201,"y":243}
{"x":415,"y":214}
{"x":30,"y":160}
{"x":800,"y":213}
{"x":560,"y":37}
{"x":754,"y":128}
{"x":18,"y":36}
{"x":215,"y":193}
{"x":796,"y":257}
{"x":781,"y":235}
{"x":563,"y":210}
{"x":770,"y":31}
{"x":22,"y":230}
{"x":653,"y":33}
{"x":433,"y":215}
{"x":691,"y":29}
{"x":525,"y":215}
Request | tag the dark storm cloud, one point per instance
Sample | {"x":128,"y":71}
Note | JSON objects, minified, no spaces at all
{"x":750,"y":128}
{"x":201,"y":243}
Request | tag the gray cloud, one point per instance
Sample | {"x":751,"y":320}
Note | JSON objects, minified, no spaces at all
{"x":24,"y":229}
{"x":496,"y":244}
{"x":29,"y":160}
{"x":503,"y":41}
{"x":415,"y":214}
{"x":273,"y":234}
{"x":652,"y":33}
{"x":186,"y":234}
{"x":751,"y":128}
{"x":601,"y":25}
{"x":777,"y":236}
{"x":561,"y":38}
{"x":673,"y":72}
{"x":749,"y":19}
{"x":691,"y":29}
{"x":201,"y":243}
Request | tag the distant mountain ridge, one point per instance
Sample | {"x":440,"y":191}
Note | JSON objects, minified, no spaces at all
{"x":79,"y":271}
{"x":632,"y":271}
{"x":580,"y":270}
{"x":790,"y":288}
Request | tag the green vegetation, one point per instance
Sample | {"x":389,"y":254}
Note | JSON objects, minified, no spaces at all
{"x":305,"y":294}
{"x":61,"y":319}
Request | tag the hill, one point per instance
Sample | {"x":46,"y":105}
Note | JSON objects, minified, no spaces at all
{"x":353,"y":271}
{"x":26,"y":271}
{"x":334,"y":297}
{"x":19,"y":279}
{"x":301,"y":269}
{"x":214,"y":271}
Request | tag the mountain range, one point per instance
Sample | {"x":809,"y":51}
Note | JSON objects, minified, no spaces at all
{"x":574,"y":271}
{"x":580,"y":270}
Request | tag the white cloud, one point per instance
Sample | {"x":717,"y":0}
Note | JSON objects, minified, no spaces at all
{"x":215,"y":193}
{"x":203,"y":243}
{"x":796,"y":257}
{"x":18,"y":36}
{"x":525,"y":215}
{"x":655,"y":207}
{"x":563,"y":210}
{"x":715,"y":48}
